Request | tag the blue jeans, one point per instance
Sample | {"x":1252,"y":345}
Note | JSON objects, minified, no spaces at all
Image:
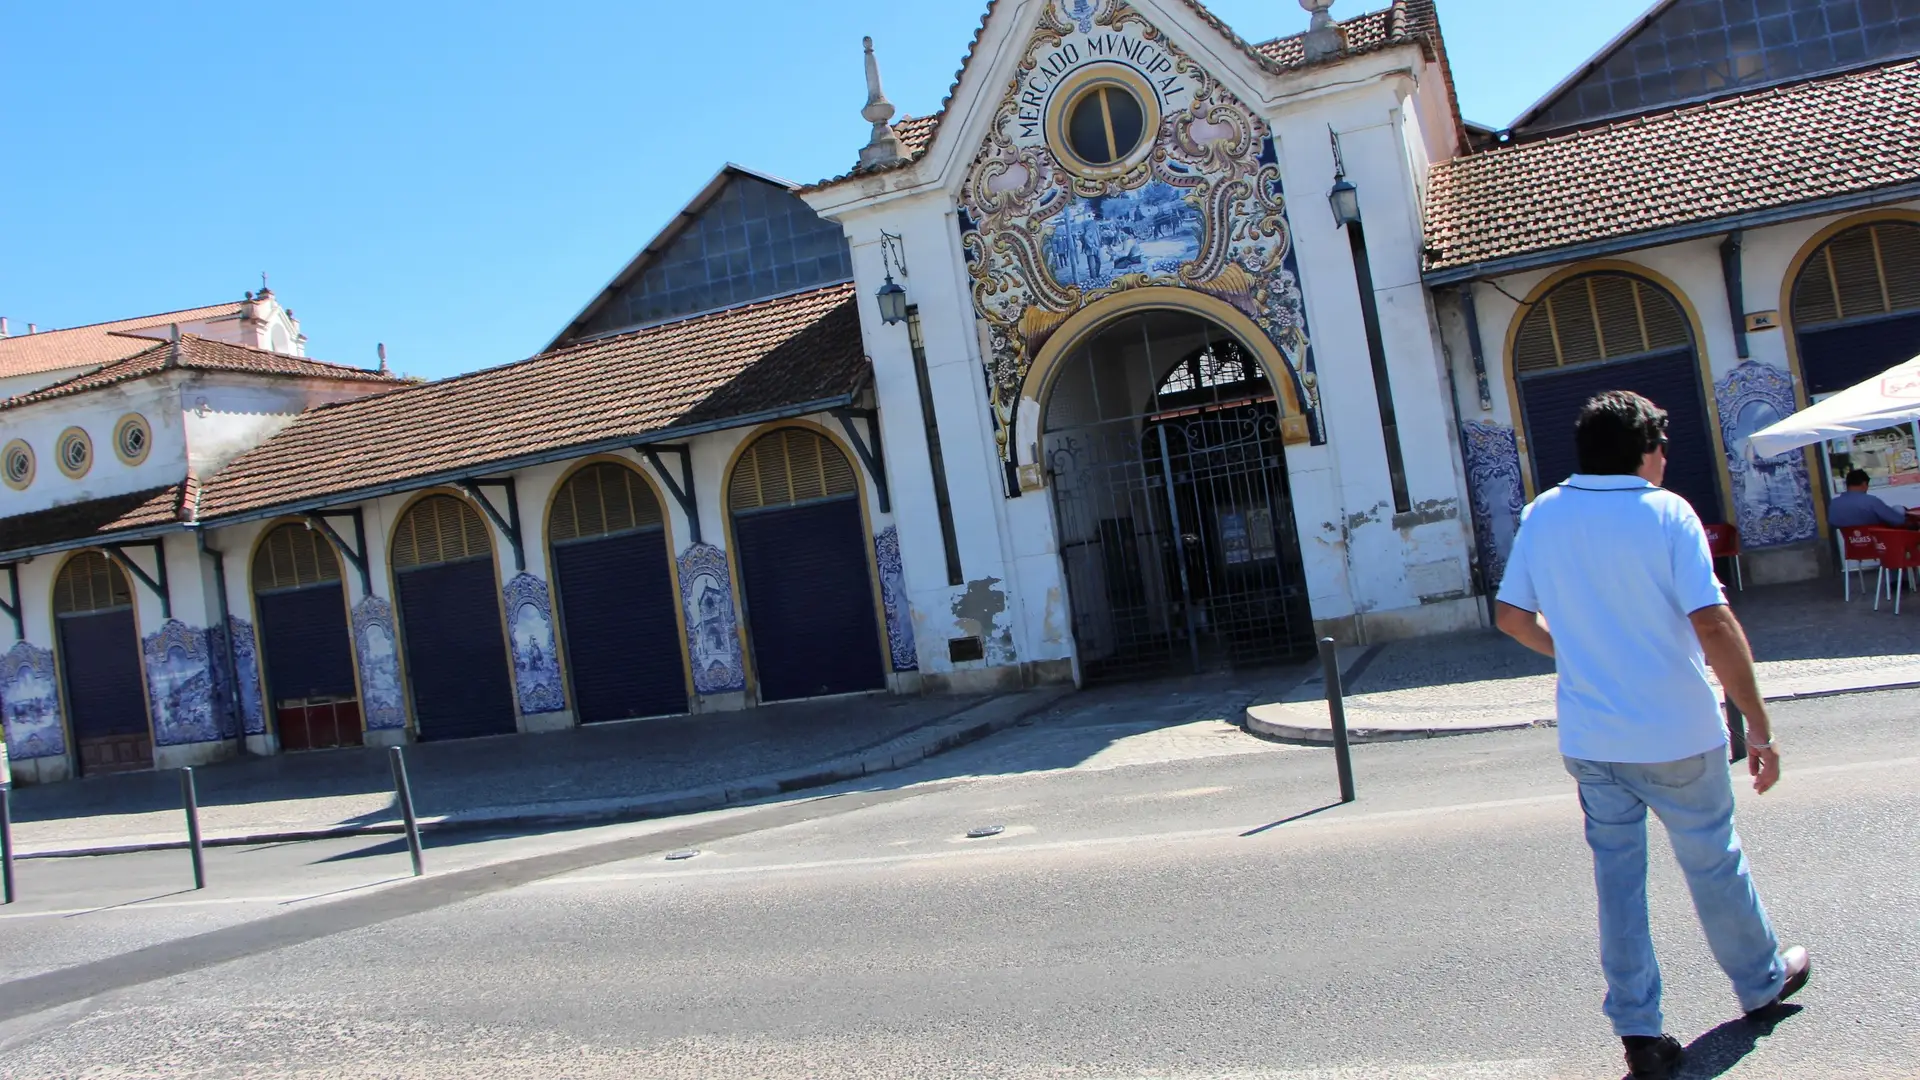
{"x":1694,"y":800}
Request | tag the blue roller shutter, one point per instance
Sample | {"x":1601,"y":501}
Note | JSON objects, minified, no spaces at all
{"x":1671,"y":381}
{"x":456,"y":650}
{"x":809,"y":600}
{"x":617,"y":617}
{"x":1836,"y":358}
{"x":303,"y":640}
{"x":106,"y":695}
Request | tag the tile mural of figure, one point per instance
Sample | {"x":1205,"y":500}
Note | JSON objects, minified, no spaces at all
{"x":536,"y":659}
{"x":713,"y":636}
{"x":30,"y":703}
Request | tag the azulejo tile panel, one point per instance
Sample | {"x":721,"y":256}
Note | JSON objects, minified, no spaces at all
{"x":246,"y":663}
{"x":713,"y":631}
{"x":1772,"y":497}
{"x":180,"y":684}
{"x":536,"y":658}
{"x":1203,"y":210}
{"x":893,"y":594}
{"x":1497,"y":492}
{"x":376,"y":646}
{"x":30,"y":703}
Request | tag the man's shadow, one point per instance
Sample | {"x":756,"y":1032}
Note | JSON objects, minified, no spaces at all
{"x":1719,"y":1050}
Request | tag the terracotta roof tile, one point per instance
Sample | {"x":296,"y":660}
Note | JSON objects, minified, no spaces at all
{"x":100,"y":343}
{"x":1836,"y":136}
{"x":94,"y":518}
{"x":195,"y":354}
{"x":753,"y":359}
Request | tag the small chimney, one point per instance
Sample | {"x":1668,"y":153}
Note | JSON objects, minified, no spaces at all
{"x":33,"y":328}
{"x":383,"y":359}
{"x":3,"y":326}
{"x":883,"y":148}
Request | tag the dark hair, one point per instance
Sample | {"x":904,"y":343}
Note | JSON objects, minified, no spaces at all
{"x":1858,"y":478}
{"x":1615,"y":431}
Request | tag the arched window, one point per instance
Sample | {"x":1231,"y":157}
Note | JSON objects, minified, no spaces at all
{"x":604,"y":499}
{"x":1604,"y":316}
{"x":1866,"y":272}
{"x":90,"y":582}
{"x":294,"y":557}
{"x":788,"y":467}
{"x":1222,"y":363}
{"x":440,"y":529}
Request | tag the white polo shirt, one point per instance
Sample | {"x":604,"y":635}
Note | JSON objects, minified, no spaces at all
{"x":1616,"y":565}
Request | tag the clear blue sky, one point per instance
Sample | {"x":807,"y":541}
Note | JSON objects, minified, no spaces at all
{"x":457,"y":180}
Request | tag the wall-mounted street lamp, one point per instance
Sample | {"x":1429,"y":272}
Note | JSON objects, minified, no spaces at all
{"x":892,"y":296}
{"x":1344,"y":196}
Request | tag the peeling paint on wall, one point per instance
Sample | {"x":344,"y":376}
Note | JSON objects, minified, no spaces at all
{"x":1427,"y":513}
{"x":980,"y":613}
{"x":1051,"y":629}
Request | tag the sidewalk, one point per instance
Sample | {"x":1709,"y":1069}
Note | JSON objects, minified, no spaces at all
{"x":600,"y":773}
{"x":1808,"y":641}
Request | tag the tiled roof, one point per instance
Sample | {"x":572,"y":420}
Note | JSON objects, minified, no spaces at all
{"x":195,"y":354}
{"x":1406,"y":22}
{"x":98,"y":518}
{"x":101,"y":343}
{"x":1831,"y":137}
{"x":749,"y":360}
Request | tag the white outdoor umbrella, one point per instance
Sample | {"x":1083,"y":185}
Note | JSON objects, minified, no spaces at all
{"x":1889,"y":399}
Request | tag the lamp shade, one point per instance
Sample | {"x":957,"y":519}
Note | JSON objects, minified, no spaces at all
{"x":1346,"y":203}
{"x":893,"y":302}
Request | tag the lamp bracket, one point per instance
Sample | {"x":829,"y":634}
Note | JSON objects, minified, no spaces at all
{"x":893,"y":253}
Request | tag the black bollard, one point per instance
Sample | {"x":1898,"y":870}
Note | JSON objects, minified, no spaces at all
{"x":192,"y":800}
{"x":405,"y":796}
{"x":1337,"y":709}
{"x":6,"y":842}
{"x":1736,"y":733}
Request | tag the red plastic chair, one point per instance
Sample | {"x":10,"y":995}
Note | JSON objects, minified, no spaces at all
{"x":1900,"y":553}
{"x":1858,"y":554}
{"x":1723,"y":542}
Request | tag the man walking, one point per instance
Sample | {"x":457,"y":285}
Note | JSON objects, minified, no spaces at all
{"x":1611,"y":577}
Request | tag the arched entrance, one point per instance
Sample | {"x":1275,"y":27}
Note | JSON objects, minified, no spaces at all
{"x":100,"y":665}
{"x":1856,"y":313}
{"x":301,"y":604}
{"x":1603,"y":331}
{"x":613,"y":571}
{"x":1162,"y":445}
{"x":450,"y":621}
{"x":806,"y":567}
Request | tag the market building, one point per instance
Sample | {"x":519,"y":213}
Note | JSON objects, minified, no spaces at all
{"x":1152,"y":351}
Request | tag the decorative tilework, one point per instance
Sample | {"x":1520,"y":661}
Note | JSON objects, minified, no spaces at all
{"x":30,"y":703}
{"x":1497,"y":492}
{"x":180,"y":684}
{"x":246,"y":662}
{"x":1772,"y":497}
{"x":225,"y":709}
{"x":893,"y":593}
{"x":713,"y":632}
{"x":376,"y":645}
{"x":536,"y":659}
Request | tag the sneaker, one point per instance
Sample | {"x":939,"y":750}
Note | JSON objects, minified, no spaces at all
{"x":1649,"y":1058}
{"x":1799,"y":966}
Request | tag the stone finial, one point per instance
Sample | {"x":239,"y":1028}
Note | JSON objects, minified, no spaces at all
{"x":1325,"y":39}
{"x":884,"y":147}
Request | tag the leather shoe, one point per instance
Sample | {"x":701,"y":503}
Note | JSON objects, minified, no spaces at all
{"x":1799,"y":965}
{"x":1653,"y":1059}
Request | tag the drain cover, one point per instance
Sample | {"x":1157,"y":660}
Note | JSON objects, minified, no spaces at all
{"x":985,"y":831}
{"x":686,"y":853}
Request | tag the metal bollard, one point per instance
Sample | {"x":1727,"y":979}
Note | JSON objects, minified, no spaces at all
{"x":405,"y":795}
{"x":6,"y":842}
{"x":1337,"y":709}
{"x":1736,"y":733}
{"x":192,"y":800}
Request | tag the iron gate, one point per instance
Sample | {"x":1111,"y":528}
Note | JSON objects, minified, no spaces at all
{"x":1177,"y":533}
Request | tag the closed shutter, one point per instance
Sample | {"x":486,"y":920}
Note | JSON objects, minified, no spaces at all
{"x":456,"y":650}
{"x":617,"y":617}
{"x":1672,"y":381}
{"x":303,"y":635}
{"x":1836,"y":358}
{"x":106,"y":696}
{"x":809,"y":600}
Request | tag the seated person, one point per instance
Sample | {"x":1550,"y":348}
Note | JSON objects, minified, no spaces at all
{"x":1857,"y":509}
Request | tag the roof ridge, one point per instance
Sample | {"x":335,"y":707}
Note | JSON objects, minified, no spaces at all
{"x":112,"y":322}
{"x":677,"y":321}
{"x":184,"y":336}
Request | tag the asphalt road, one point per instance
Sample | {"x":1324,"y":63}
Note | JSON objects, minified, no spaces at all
{"x":1164,"y":900}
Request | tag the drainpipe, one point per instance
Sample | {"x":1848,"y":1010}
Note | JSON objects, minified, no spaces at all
{"x":227,"y":661}
{"x":1476,"y":572}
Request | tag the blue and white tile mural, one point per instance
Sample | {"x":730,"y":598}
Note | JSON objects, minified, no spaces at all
{"x":180,"y":684}
{"x":30,"y":703}
{"x":893,"y":594}
{"x":1497,"y":492}
{"x":1772,"y":497}
{"x":374,"y":642}
{"x":246,"y":663}
{"x":536,"y":658}
{"x":225,"y":708}
{"x":1152,"y":229}
{"x":713,"y":634}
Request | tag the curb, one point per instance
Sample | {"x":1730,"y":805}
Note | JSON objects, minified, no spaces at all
{"x":1320,"y":732}
{"x":968,"y":725}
